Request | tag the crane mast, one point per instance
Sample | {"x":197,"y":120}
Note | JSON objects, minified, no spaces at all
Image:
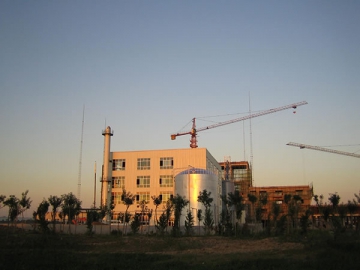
{"x":303,"y":146}
{"x":193,"y":132}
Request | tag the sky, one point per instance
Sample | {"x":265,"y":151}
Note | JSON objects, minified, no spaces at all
{"x":146,"y":68}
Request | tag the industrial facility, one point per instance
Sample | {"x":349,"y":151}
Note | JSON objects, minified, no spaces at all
{"x":166,"y":173}
{"x":162,"y":174}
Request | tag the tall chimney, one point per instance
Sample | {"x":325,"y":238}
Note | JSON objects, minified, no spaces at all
{"x":107,"y":166}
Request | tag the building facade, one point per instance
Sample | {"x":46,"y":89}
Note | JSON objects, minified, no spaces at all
{"x":238,"y":172}
{"x":282,"y":196}
{"x":152,"y":173}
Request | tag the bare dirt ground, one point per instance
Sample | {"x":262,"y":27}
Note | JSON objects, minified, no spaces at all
{"x":199,"y":245}
{"x":219,"y":245}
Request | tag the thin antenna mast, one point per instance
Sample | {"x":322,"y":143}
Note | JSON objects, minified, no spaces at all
{"x":244,"y":140}
{"x":80,"y":159}
{"x":95,"y":185}
{"x":251,"y":147}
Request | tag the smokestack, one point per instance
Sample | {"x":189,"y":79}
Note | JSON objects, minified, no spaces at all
{"x":107,"y":165}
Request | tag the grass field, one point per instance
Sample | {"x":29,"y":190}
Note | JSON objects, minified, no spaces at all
{"x":316,"y":250}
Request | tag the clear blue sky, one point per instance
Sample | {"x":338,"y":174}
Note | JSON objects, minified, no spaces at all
{"x":146,"y":68}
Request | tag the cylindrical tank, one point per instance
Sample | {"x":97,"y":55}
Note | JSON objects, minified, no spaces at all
{"x":190,"y":183}
{"x":227,"y":187}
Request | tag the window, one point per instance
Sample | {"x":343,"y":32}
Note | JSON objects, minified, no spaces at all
{"x":263,"y":195}
{"x":143,"y":164}
{"x":166,"y":181}
{"x":116,"y":197}
{"x":299,"y":192}
{"x":118,"y":164}
{"x":143,"y":181}
{"x":142,"y":196}
{"x":278,"y":193}
{"x":278,"y":202}
{"x":118,"y":182}
{"x":166,"y":163}
{"x":165,"y":196}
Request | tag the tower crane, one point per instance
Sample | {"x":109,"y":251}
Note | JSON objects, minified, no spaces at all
{"x":193,"y":132}
{"x":302,"y":146}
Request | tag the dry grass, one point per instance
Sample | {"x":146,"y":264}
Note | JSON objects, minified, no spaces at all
{"x":28,"y":250}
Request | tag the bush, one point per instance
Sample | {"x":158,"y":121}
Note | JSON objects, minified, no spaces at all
{"x":116,"y":232}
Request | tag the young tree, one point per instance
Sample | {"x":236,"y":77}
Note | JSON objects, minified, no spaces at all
{"x":236,"y":201}
{"x":334,"y":200}
{"x":304,"y":221}
{"x":293,"y":203}
{"x":92,"y":215}
{"x":296,"y":202}
{"x":24,"y":203}
{"x":206,"y":200}
{"x":157,"y":200}
{"x":162,"y":223}
{"x":179,"y":204}
{"x":189,"y":223}
{"x":253,"y":199}
{"x":2,"y":199}
{"x":128,"y":199}
{"x":143,"y":211}
{"x":55,"y":202}
{"x":208,"y":221}
{"x":136,"y":223}
{"x":41,"y":215}
{"x":199,"y":217}
{"x":226,"y":217}
{"x":351,"y":207}
{"x":319,"y":203}
{"x":70,"y":206}
{"x":13,"y":203}
{"x":275,"y":212}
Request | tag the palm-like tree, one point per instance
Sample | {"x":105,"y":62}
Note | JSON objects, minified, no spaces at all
{"x":128,"y":199}
{"x":157,"y":200}
{"x":179,"y":204}
{"x":24,"y":203}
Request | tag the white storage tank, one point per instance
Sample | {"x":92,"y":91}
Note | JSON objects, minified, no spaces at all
{"x":190,"y":183}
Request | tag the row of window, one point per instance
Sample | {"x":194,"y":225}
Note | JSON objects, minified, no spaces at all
{"x":142,"y":196}
{"x":143,"y":181}
{"x":143,"y":164}
{"x":277,"y":192}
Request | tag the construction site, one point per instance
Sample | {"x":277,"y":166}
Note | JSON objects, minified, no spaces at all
{"x":151,"y":174}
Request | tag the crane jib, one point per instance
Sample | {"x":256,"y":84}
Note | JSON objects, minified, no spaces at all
{"x":195,"y":130}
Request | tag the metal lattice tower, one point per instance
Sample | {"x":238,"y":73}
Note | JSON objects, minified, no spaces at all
{"x":80,"y":158}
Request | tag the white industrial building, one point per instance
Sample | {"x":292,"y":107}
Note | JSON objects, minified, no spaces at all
{"x":162,"y":173}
